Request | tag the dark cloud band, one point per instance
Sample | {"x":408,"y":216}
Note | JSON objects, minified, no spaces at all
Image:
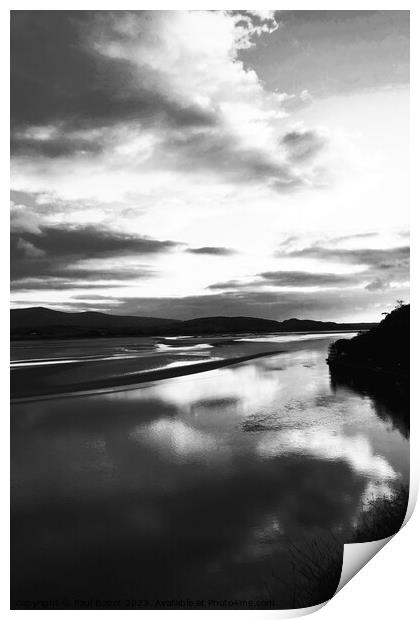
{"x":62,"y":253}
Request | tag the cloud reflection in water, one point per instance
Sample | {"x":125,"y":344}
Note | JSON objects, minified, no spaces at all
{"x":190,"y":486}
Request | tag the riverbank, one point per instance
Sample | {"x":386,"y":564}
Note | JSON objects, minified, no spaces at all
{"x":382,"y":351}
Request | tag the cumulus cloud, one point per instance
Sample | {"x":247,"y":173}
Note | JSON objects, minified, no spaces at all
{"x":173,"y":76}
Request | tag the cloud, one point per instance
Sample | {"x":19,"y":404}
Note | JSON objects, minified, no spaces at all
{"x":303,"y":145}
{"x":304,"y":278}
{"x":364,"y":256}
{"x":153,"y":121}
{"x":211,"y":251}
{"x":87,"y":242}
{"x":47,"y":275}
{"x":27,"y":249}
{"x":351,"y":237}
{"x":90,"y":87}
{"x":250,"y":24}
{"x":222,"y":153}
{"x":56,"y":141}
{"x":377,"y":285}
{"x":335,"y":52}
{"x":23,"y":219}
{"x":298,"y":279}
{"x":382,"y":266}
{"x":132,"y":83}
{"x":227,"y":286}
{"x":50,"y":283}
{"x":41,"y":257}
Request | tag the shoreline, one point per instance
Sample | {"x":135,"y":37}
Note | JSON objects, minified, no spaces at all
{"x":130,"y":382}
{"x":235,"y":334}
{"x":365,"y":369}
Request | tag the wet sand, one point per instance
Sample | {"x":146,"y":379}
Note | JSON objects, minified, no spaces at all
{"x":37,"y":381}
{"x":59,"y":368}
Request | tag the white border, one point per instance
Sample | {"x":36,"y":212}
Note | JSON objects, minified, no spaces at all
{"x":388,"y":585}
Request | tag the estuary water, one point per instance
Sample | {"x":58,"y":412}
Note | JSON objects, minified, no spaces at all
{"x":187,"y":491}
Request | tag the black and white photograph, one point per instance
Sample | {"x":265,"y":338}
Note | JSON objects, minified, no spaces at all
{"x":210,"y":303}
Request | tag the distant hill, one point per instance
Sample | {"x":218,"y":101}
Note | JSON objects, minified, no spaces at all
{"x":243,"y":324}
{"x":384,"y":349}
{"x":307,"y":325}
{"x":32,"y":317}
{"x":45,"y":323}
{"x":225,"y":324}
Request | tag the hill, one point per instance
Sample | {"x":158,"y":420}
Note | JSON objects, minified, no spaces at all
{"x":225,"y":324}
{"x":244,"y":324}
{"x":384,"y":349}
{"x":45,"y":323}
{"x":307,"y":325}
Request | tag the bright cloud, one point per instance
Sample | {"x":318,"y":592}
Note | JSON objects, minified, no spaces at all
{"x":172,"y":127}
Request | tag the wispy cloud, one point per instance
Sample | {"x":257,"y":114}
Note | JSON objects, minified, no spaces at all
{"x":211,"y":251}
{"x":288,"y":279}
{"x":380,"y":268}
{"x":367,"y":256}
{"x":304,"y":278}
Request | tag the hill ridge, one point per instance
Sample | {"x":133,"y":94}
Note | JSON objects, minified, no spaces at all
{"x":40,"y":322}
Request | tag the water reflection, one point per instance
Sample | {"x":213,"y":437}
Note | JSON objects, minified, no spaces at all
{"x":331,"y":446}
{"x":191,"y":488}
{"x":389,"y":398}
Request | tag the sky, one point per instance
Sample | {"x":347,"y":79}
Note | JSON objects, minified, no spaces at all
{"x":184,"y":164}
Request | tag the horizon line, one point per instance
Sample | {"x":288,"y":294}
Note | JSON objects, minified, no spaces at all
{"x":225,"y":316}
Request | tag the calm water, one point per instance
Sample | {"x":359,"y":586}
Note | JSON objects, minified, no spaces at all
{"x":191,"y":487}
